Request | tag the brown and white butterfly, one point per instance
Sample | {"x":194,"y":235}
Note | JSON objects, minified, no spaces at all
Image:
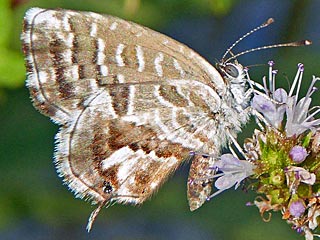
{"x":131,"y":104}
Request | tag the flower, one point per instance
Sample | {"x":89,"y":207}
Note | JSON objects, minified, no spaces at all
{"x":272,"y":111}
{"x":298,"y":154}
{"x":275,"y":102}
{"x":233,"y":172}
{"x":297,"y":208}
{"x":272,"y":103}
{"x":297,"y":112}
{"x":300,"y":174}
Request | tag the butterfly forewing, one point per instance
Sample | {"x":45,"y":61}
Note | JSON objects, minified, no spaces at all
{"x":70,"y":55}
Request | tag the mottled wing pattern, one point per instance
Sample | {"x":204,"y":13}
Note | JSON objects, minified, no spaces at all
{"x":200,"y":180}
{"x":131,"y":102}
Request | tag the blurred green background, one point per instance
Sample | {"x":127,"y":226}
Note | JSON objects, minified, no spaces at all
{"x":33,"y":202}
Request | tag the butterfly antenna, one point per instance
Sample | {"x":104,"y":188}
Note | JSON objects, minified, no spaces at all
{"x":265,"y":24}
{"x":290,"y":44}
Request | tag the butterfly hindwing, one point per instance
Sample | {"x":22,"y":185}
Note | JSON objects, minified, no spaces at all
{"x":199,"y":184}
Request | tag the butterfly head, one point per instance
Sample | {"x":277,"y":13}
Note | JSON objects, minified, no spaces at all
{"x":234,"y":76}
{"x":232,"y":73}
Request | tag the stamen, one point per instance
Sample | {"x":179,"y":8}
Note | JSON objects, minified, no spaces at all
{"x":310,"y":90}
{"x":301,"y":69}
{"x":271,"y":63}
{"x":208,"y":178}
{"x":274,"y":73}
{"x":264,"y":81}
{"x":313,"y":90}
{"x":295,"y":81}
{"x":215,"y":194}
{"x":270,"y":76}
{"x":311,"y":117}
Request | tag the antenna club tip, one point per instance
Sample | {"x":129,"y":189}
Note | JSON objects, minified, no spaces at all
{"x":307,"y":42}
{"x":302,"y":43}
{"x":299,"y":43}
{"x":269,"y":21}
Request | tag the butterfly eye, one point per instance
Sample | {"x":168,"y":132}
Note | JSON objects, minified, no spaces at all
{"x":231,"y":70}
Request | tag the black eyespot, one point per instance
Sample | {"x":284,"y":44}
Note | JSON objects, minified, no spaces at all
{"x":231,"y":70}
{"x":107,"y":188}
{"x":204,"y":184}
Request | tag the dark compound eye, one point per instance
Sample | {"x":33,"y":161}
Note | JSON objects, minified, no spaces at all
{"x":231,"y":70}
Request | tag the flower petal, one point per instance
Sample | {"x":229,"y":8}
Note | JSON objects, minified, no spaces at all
{"x":280,"y":95}
{"x":262,"y":104}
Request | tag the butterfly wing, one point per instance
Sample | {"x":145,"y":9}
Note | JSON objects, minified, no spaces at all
{"x":131,"y":102}
{"x":200,"y":180}
{"x":151,"y":141}
{"x":70,"y":55}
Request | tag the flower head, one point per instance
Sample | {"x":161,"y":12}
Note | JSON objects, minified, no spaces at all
{"x":286,"y":154}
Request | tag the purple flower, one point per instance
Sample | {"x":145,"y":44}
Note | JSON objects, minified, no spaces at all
{"x":271,"y":103}
{"x":233,"y":172}
{"x":298,"y":154}
{"x":297,"y":208}
{"x":275,"y":102}
{"x":273,"y":111}
{"x":299,"y":118}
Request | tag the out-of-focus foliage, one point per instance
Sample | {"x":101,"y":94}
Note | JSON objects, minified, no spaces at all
{"x":11,"y":62}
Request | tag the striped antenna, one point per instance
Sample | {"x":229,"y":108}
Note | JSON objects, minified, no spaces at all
{"x":263,"y":25}
{"x":290,"y":44}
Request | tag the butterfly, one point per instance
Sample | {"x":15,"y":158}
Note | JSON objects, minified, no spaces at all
{"x":132,"y":105}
